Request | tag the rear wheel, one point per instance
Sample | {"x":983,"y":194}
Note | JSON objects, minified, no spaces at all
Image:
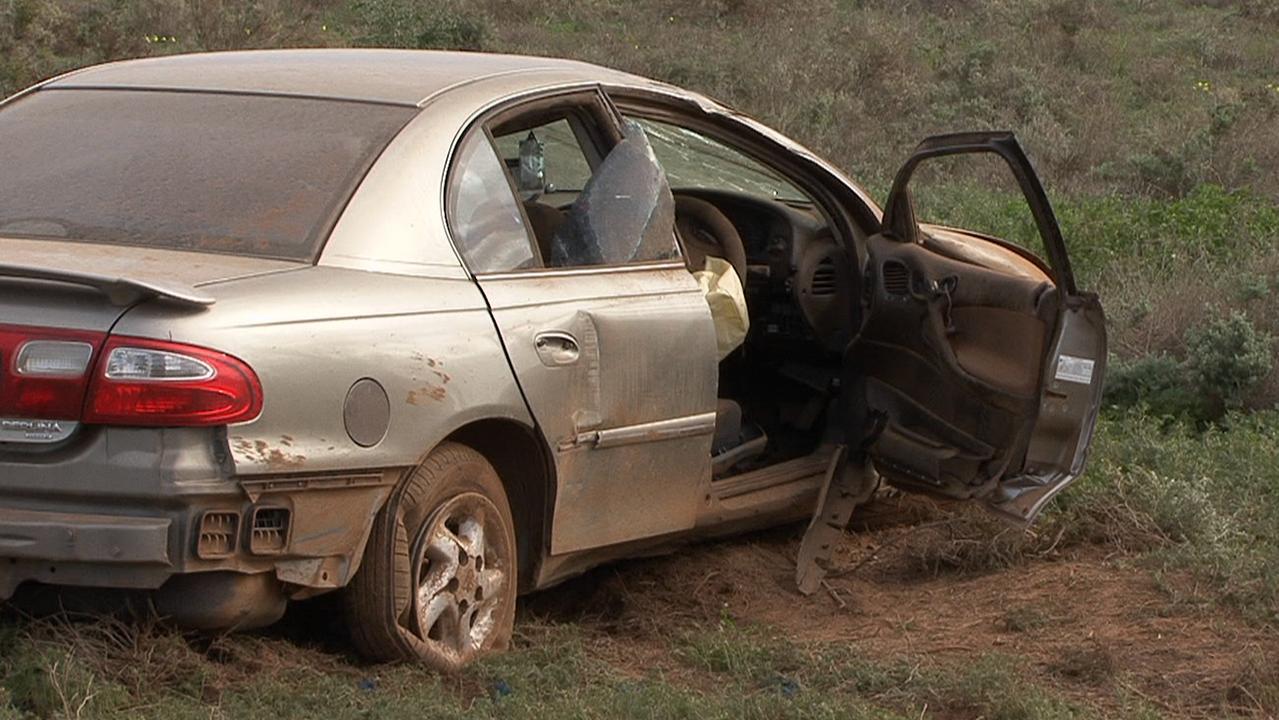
{"x":438,"y":579}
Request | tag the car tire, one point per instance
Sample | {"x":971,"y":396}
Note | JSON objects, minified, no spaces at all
{"x":438,"y":581}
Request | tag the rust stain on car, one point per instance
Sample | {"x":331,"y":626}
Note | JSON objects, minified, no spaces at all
{"x":426,"y":392}
{"x":261,"y":452}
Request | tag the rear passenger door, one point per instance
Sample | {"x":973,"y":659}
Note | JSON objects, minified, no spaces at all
{"x":566,"y":221}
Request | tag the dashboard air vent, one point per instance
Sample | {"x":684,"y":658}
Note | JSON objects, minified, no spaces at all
{"x":896,"y":278}
{"x":825,"y":280}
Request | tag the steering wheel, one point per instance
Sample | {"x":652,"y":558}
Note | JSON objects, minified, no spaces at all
{"x":707,"y":231}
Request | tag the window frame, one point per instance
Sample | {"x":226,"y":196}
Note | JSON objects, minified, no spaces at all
{"x":586,"y":99}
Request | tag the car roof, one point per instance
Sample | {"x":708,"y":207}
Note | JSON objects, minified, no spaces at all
{"x":400,"y":77}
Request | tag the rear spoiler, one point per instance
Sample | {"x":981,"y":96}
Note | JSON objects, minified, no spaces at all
{"x":119,"y":290}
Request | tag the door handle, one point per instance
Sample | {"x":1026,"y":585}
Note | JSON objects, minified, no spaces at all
{"x":556,"y":348}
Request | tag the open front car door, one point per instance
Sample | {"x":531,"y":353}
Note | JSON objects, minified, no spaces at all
{"x":980,"y":365}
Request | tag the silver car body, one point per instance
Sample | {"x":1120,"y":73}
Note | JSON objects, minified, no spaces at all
{"x":606,"y":451}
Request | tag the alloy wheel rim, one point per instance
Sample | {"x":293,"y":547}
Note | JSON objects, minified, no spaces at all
{"x":460,"y":572}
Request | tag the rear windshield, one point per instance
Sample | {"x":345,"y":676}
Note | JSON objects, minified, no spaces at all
{"x":239,"y":174}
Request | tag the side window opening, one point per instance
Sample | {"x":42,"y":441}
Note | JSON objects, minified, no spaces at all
{"x":590,"y":198}
{"x":624,"y":214}
{"x":549,"y":161}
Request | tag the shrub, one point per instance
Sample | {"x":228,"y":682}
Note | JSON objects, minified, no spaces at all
{"x":1227,"y":360}
{"x":1157,"y":382}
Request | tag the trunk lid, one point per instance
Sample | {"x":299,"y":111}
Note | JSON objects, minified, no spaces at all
{"x":81,"y":286}
{"x":71,"y":294}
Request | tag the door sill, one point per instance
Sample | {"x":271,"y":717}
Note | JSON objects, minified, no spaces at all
{"x":772,"y":476}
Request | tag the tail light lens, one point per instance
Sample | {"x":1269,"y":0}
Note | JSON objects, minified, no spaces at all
{"x":51,"y":374}
{"x":44,"y":373}
{"x":155,"y":383}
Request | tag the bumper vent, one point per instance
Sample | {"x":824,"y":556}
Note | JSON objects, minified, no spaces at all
{"x":896,"y":278}
{"x":270,"y":531}
{"x":218,"y":533}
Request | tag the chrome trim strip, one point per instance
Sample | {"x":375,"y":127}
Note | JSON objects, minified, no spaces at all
{"x":656,"y":431}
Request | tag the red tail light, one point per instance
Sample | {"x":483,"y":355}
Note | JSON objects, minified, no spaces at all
{"x":44,"y":372}
{"x":155,"y":383}
{"x":51,"y":374}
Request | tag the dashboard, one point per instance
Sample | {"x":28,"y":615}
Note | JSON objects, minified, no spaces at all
{"x":800,"y":284}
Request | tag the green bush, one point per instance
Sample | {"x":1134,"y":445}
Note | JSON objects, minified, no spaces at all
{"x":1227,"y":360}
{"x":1156,"y":382}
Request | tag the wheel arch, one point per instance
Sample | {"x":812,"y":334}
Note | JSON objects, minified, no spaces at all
{"x":524,"y":464}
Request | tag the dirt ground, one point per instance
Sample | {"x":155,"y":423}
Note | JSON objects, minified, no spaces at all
{"x":1095,"y":627}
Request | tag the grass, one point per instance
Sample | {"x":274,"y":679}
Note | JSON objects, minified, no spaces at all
{"x":1132,"y":97}
{"x":107,"y":670}
{"x":1206,"y":502}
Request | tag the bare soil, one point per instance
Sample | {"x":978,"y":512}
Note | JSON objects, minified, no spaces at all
{"x":1092,"y":626}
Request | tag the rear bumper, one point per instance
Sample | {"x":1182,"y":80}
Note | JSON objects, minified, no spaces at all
{"x":90,"y":549}
{"x":138,"y":546}
{"x":110,"y":507}
{"x":59,"y":537}
{"x":127,"y":510}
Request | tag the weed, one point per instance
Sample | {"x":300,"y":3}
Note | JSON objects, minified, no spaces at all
{"x":1024,"y":618}
{"x":407,"y":24}
{"x":1201,"y":501}
{"x":1090,"y":663}
{"x":993,"y":687}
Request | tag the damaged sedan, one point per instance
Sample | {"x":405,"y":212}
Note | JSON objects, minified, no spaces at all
{"x":432,"y":330}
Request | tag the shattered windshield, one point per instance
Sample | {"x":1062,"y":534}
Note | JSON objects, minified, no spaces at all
{"x":694,"y":161}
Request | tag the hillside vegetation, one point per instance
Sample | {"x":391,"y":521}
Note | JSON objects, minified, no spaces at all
{"x":1155,"y":126}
